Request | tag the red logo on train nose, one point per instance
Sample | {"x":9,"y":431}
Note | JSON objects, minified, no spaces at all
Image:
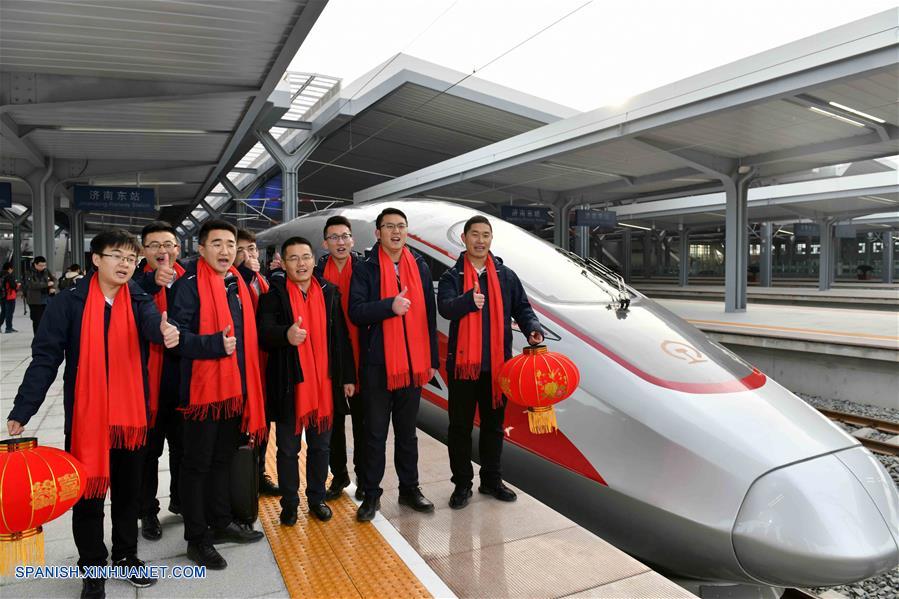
{"x":683,"y":351}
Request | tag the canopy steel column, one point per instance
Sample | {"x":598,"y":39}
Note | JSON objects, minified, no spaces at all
{"x":17,"y":223}
{"x":76,"y":230}
{"x":684,"y":257}
{"x":736,"y":250}
{"x":582,"y":240}
{"x":766,"y":256}
{"x":626,"y":250}
{"x":887,"y":252}
{"x":826,"y":262}
{"x":42,"y":211}
{"x":290,"y":165}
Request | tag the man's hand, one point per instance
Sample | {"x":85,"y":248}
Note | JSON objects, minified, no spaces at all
{"x":170,"y":333}
{"x":349,"y":390}
{"x":14,"y":427}
{"x":230,"y":342}
{"x":535,"y":338}
{"x":50,"y":283}
{"x":400,"y":303}
{"x":276,"y":261}
{"x":296,"y":334}
{"x":252,"y":263}
{"x":165,"y":273}
{"x":431,"y":373}
{"x":478,"y":296}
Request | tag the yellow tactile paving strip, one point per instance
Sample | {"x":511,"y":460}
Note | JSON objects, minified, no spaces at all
{"x":338,"y":558}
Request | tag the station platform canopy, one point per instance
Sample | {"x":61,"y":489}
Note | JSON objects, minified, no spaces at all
{"x":163,"y":96}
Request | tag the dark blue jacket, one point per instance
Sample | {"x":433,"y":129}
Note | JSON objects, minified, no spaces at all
{"x":185,"y":310}
{"x":368,"y":310}
{"x":323,"y":261}
{"x":169,"y":388}
{"x":58,"y":338}
{"x":454,"y":304}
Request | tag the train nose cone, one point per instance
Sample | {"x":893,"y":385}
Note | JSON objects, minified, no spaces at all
{"x":831,"y":520}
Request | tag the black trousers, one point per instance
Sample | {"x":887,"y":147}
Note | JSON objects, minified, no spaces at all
{"x":9,"y":310}
{"x":168,"y":428}
{"x":464,"y":397}
{"x":263,"y":448}
{"x":338,"y":441}
{"x":382,"y":406}
{"x":288,"y":463}
{"x":124,"y":493}
{"x":209,"y":447}
{"x":37,"y":311}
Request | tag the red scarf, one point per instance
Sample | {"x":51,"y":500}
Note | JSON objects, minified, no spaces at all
{"x":413,"y":327}
{"x":263,"y":288}
{"x":313,"y":397}
{"x":110,"y":407}
{"x":154,"y":363}
{"x":468,"y":350}
{"x":215,"y":385}
{"x":342,"y":280}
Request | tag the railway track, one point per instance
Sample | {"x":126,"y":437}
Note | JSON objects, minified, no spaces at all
{"x":882,"y":426}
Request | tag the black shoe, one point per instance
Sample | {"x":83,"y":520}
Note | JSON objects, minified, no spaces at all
{"x":236,"y":532}
{"x":288,"y":517}
{"x":150,"y":528}
{"x":338,"y":484}
{"x":175,"y":508}
{"x":368,"y":509}
{"x":267,"y":487}
{"x":416,"y":501}
{"x":459,"y":498}
{"x":321,"y":511}
{"x":204,"y":554}
{"x":136,"y":580}
{"x":359,"y":494}
{"x":500,"y":491}
{"x":93,"y":588}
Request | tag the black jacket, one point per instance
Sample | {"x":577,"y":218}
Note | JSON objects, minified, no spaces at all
{"x":323,"y":261}
{"x":169,"y":388}
{"x":185,"y":310}
{"x":59,"y":338}
{"x":37,"y":287}
{"x":283,"y":370}
{"x":368,"y":310}
{"x":453,"y":304}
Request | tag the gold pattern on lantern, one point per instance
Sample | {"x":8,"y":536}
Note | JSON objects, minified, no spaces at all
{"x":68,"y":486}
{"x":551,"y":385}
{"x":43,"y":494}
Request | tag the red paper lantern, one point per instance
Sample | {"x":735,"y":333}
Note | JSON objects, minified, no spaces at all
{"x":538,"y":378}
{"x":37,"y":484}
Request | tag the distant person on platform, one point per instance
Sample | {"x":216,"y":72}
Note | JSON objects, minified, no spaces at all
{"x":337,"y":267}
{"x":310,"y":369}
{"x":9,"y":290}
{"x":101,"y":328}
{"x":480,"y":296}
{"x":157,"y":274}
{"x":72,"y":275}
{"x":40,"y":284}
{"x":392,"y":303}
{"x":221,"y":390}
{"x":247,"y":263}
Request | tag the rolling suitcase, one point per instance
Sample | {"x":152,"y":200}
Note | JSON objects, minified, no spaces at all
{"x":245,"y":484}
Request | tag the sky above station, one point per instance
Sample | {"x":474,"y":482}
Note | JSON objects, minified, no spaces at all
{"x":578,"y":53}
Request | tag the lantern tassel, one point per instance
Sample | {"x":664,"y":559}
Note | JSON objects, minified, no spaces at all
{"x":542,"y":420}
{"x":24,"y":548}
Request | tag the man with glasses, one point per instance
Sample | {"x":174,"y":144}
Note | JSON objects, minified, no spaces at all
{"x":247,"y":263}
{"x":157,"y":274}
{"x":337,"y":267}
{"x":221,"y":390}
{"x":392,"y":302}
{"x":102,"y":329}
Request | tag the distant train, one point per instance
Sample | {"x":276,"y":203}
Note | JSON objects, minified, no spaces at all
{"x":673,"y":448}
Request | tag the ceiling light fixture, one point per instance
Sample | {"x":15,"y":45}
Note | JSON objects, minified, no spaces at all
{"x":635,"y":227}
{"x":132,"y":130}
{"x":836,"y":116}
{"x":858,"y":112}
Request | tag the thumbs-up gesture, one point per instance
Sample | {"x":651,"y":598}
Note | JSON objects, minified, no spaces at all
{"x":276,"y":261}
{"x":296,"y":334}
{"x":165,"y":273}
{"x":230,"y":342}
{"x":252,"y":263}
{"x":401,"y":303}
{"x":170,"y":333}
{"x":478,"y":296}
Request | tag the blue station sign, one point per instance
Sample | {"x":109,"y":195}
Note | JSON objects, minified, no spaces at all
{"x":115,"y":199}
{"x":5,"y":195}
{"x":606,"y":220}
{"x":525,"y":215}
{"x":806,"y":230}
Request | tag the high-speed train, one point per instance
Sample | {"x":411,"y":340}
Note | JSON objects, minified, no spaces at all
{"x":673,"y":448}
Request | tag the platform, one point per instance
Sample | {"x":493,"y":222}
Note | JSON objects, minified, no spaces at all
{"x":881,"y":297}
{"x":489,"y":549}
{"x":836,"y":353}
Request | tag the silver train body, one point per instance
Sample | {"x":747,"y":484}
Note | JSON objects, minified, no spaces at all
{"x":673,"y":448}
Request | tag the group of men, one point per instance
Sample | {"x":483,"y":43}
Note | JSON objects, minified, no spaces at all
{"x":224,"y":352}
